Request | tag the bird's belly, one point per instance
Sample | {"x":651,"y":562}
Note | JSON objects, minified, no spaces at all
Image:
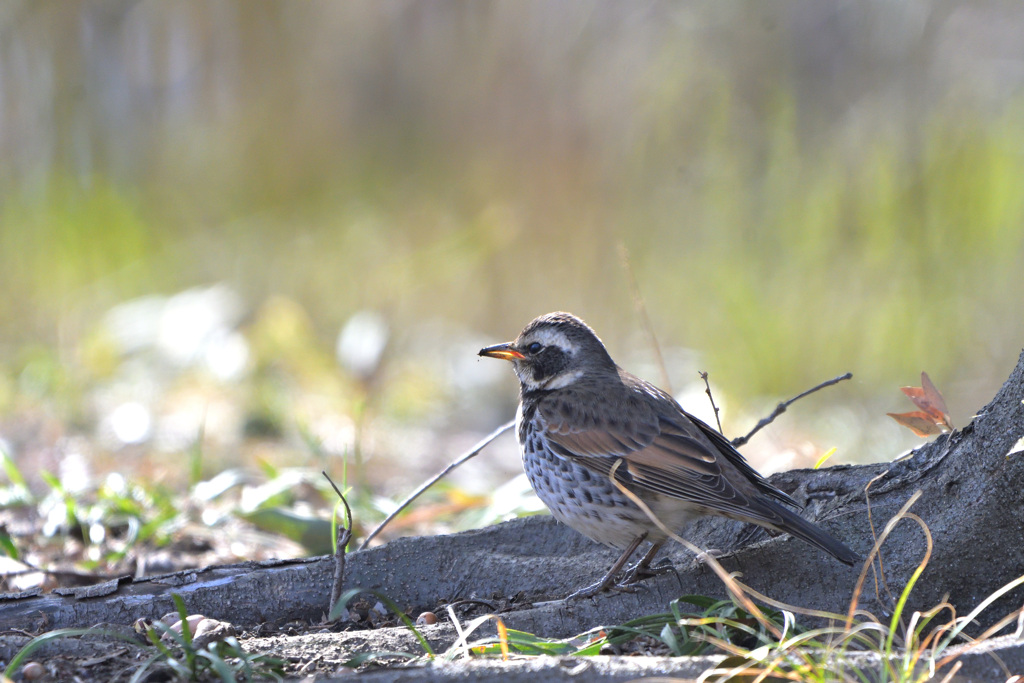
{"x":589,"y":502}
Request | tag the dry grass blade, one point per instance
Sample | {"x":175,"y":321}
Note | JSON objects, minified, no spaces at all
{"x":733,"y":586}
{"x":879,"y":575}
{"x":869,"y":562}
{"x":790,"y":608}
{"x":753,"y":672}
{"x":927,"y":616}
{"x":641,"y":309}
{"x":964,"y":621}
{"x":461,"y":644}
{"x":459,"y":631}
{"x":952,"y":672}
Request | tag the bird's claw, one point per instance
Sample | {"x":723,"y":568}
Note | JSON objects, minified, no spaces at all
{"x":590,"y":591}
{"x":628,"y":582}
{"x":638,"y":573}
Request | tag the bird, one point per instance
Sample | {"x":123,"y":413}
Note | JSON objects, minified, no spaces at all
{"x":582,"y":420}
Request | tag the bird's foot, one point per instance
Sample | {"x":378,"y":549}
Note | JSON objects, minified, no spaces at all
{"x":640,"y":571}
{"x":591,"y":590}
{"x":627,"y":584}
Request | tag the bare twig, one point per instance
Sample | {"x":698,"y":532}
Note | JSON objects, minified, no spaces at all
{"x":433,"y":480}
{"x":641,"y":309}
{"x":61,"y":574}
{"x":344,"y":536}
{"x":707,"y":390}
{"x":781,"y":408}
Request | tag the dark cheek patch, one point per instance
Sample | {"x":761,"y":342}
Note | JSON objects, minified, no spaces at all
{"x":549,"y":363}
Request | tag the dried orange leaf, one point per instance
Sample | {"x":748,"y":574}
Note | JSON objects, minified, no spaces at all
{"x":934,"y":397}
{"x":920,"y":423}
{"x":928,"y":399}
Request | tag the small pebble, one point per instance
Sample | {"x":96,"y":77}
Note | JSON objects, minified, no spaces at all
{"x":32,"y":671}
{"x":193,"y":621}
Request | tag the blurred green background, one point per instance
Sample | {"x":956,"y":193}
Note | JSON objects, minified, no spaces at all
{"x":278,"y":232}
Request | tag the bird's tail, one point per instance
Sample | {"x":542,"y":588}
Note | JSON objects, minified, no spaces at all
{"x":811,"y":533}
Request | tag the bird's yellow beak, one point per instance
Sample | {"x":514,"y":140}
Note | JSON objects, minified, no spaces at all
{"x":503,"y":351}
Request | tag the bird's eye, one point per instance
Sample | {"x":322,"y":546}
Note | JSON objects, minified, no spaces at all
{"x":534,"y":347}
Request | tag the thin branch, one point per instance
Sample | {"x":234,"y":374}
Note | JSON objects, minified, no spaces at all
{"x":59,"y":574}
{"x":781,"y":408}
{"x":707,"y":390}
{"x":641,"y":309}
{"x":344,"y":536}
{"x":427,"y":484}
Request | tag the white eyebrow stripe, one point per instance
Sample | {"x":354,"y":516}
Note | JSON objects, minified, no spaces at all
{"x":552,"y":337}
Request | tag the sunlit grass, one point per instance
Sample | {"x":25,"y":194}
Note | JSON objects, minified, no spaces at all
{"x":761,"y":643}
{"x":854,"y":255}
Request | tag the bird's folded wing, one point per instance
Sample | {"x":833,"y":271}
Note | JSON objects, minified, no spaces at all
{"x":670,"y":460}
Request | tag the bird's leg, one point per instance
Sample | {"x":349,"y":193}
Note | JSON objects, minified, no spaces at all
{"x":642,"y":569}
{"x":609,"y":579}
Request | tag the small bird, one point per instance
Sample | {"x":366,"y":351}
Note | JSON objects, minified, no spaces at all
{"x":579,"y":414}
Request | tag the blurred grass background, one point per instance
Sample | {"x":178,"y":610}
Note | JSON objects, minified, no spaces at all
{"x":197,"y":198}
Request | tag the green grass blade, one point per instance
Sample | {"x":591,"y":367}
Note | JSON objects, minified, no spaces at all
{"x":7,"y":546}
{"x":218,"y":665}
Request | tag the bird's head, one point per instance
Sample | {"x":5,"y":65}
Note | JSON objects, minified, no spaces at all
{"x":554,"y":351}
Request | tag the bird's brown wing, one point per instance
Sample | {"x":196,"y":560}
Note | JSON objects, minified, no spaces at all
{"x":663,"y":450}
{"x":663,"y":453}
{"x":726,"y":448}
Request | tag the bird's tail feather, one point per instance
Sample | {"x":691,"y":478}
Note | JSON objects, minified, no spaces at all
{"x":797,"y":526}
